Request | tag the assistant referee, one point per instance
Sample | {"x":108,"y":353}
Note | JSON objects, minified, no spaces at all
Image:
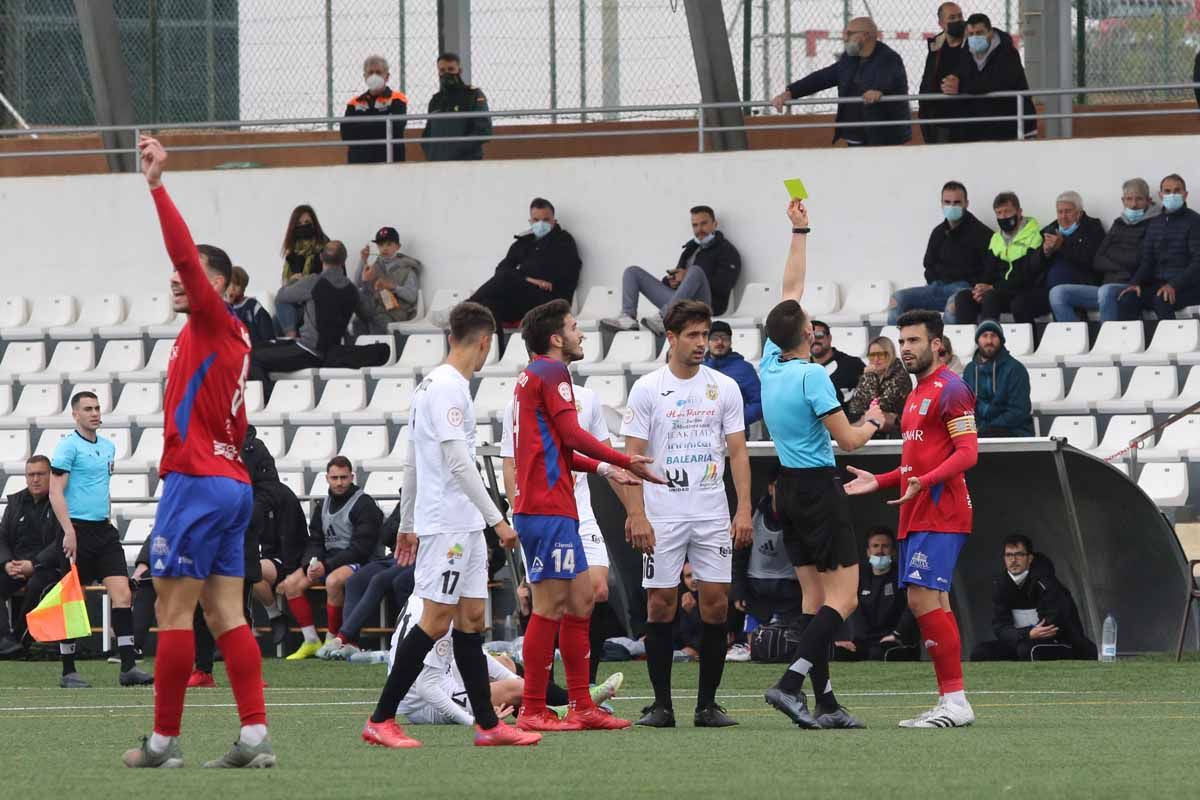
{"x":802,"y":410}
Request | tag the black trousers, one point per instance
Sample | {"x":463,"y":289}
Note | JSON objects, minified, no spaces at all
{"x":509,"y":296}
{"x":35,"y":586}
{"x":868,"y":650}
{"x":1036,"y":650}
{"x":1025,"y":306}
{"x":279,"y":356}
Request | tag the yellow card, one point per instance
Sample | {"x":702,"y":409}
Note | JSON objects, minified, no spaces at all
{"x":795,"y":188}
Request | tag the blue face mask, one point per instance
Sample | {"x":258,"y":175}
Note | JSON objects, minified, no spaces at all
{"x":1068,"y":231}
{"x":881,"y":562}
{"x":1133,"y":214}
{"x":978,"y":44}
{"x":952,"y":213}
{"x":705,"y":240}
{"x":1172,"y":202}
{"x":540,"y":228}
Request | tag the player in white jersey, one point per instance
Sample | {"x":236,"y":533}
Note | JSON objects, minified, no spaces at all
{"x":444,"y":502}
{"x":687,"y":417}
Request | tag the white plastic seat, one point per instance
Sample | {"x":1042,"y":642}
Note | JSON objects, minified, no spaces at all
{"x":272,"y":437}
{"x":646,"y":367}
{"x":514,"y":359}
{"x":384,"y":483}
{"x":601,"y":302}
{"x":120,"y":355}
{"x":1165,"y":484}
{"x":294,"y":481}
{"x":253,"y":398}
{"x":146,"y":455}
{"x":422,"y":352}
{"x":1123,"y":429}
{"x":757,"y":301}
{"x":1045,"y":386}
{"x":364,"y":442}
{"x":962,"y":339}
{"x":98,"y":311}
{"x":341,"y":394}
{"x":1080,"y":432}
{"x":121,"y":438}
{"x":145,"y":310}
{"x":747,"y":342}
{"x":6,"y":398}
{"x":14,"y":484}
{"x":68,"y":357}
{"x":1172,"y":338}
{"x":486,"y":434}
{"x":1146,"y":385}
{"x":156,"y":365}
{"x":139,"y":403}
{"x":893,"y":332}
{"x":1091,"y":385}
{"x":851,"y":339}
{"x":63,"y":418}
{"x":389,"y":402}
{"x":14,"y":312}
{"x":443,"y":301}
{"x":394,"y":459}
{"x":22,"y":359}
{"x":334,"y":373}
{"x":312,"y":446}
{"x":821,"y":299}
{"x":1189,"y":394}
{"x":863,"y":299}
{"x":35,"y":401}
{"x":14,"y":450}
{"x":492,"y":396}
{"x":287,"y":397}
{"x":48,"y":312}
{"x":610,"y":390}
{"x":1114,"y":340}
{"x":127,"y":486}
{"x":320,"y":485}
{"x":137,"y":532}
{"x":1176,"y":441}
{"x":1018,"y":338}
{"x":168,"y":330}
{"x":628,"y":347}
{"x":1059,"y":340}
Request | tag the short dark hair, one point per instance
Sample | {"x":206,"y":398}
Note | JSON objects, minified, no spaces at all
{"x":785,"y":325}
{"x":218,"y":261}
{"x":37,"y":459}
{"x":446,"y":55}
{"x":980,"y":19}
{"x":542,"y":322}
{"x":1173,"y":176}
{"x":239,"y":277}
{"x":955,"y":186}
{"x":684,"y":312}
{"x":541,"y":202}
{"x":1006,"y":199}
{"x":932,"y":321}
{"x":469,"y":321}
{"x":1019,"y":539}
{"x":703,"y":210}
{"x":881,"y":530}
{"x":79,"y":397}
{"x":816,"y":323}
{"x":339,"y":461}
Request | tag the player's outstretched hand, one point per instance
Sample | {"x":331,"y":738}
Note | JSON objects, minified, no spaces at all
{"x":623,"y":477}
{"x":864,"y":482}
{"x":406,"y":549}
{"x":742,"y":529}
{"x":798,"y":214}
{"x":914,"y":489}
{"x":641,"y":468}
{"x":508,"y":537}
{"x":640,"y":533}
{"x":154,"y":158}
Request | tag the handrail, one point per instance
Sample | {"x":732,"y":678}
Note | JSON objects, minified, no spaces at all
{"x":1135,"y":443}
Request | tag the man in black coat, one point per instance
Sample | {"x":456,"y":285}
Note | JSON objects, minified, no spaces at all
{"x":1034,"y":617}
{"x":946,"y":51}
{"x":883,"y":627}
{"x":455,"y":96}
{"x":1065,"y":258}
{"x":843,"y":369}
{"x":367,"y":117}
{"x":992,"y":64}
{"x":29,"y":559}
{"x":868,"y":69}
{"x":1168,"y":274}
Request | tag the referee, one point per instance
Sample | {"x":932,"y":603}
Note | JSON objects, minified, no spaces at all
{"x":81,"y":466}
{"x":802,"y":410}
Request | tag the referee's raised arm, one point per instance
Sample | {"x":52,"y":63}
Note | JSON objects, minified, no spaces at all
{"x":796,"y":269}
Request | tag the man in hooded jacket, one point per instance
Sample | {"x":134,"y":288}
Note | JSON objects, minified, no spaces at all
{"x":1001,"y":386}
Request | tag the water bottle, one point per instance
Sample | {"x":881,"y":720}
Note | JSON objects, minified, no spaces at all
{"x":511,"y":629}
{"x":1108,"y":642}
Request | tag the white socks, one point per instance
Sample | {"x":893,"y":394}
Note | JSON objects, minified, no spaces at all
{"x":310,"y":633}
{"x":160,"y":743}
{"x":252,"y":735}
{"x":958,"y":698}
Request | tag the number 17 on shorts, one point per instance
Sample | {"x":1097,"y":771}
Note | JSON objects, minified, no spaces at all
{"x":451,"y":566}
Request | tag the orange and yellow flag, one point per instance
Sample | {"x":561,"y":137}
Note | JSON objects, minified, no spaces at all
{"x":62,"y":614}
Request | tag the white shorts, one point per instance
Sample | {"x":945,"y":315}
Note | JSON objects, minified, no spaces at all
{"x":451,"y":566}
{"x":705,"y":543}
{"x":425,"y":714}
{"x":593,"y":544}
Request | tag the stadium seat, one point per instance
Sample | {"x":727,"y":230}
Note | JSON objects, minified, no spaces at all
{"x":320,"y":485}
{"x":864,"y":300}
{"x":253,"y":399}
{"x":34,"y":401}
{"x":962,"y":340}
{"x":757,"y":301}
{"x":312,"y":446}
{"x":646,"y":367}
{"x":610,"y":390}
{"x":6,"y":398}
{"x":139,"y":403}
{"x":422,"y":352}
{"x":68,"y":357}
{"x":492,"y":396}
{"x":1187,"y":396}
{"x":385,"y":483}
{"x":1018,"y":338}
{"x":48,"y":440}
{"x":852,"y":339}
{"x":287,"y":397}
{"x":364,"y":442}
{"x":1114,"y":339}
{"x":628,"y":347}
{"x":600,"y":302}
{"x":21,"y":359}
{"x":1045,"y":386}
{"x":1091,"y":385}
{"x":341,"y":394}
{"x":294,"y":481}
{"x":514,"y":359}
{"x":486,"y":434}
{"x":137,"y":532}
{"x":820,"y":299}
{"x":120,"y":355}
{"x":1145,"y":386}
{"x":748,"y":342}
{"x":1173,"y":338}
{"x":121,"y":438}
{"x":127,"y":487}
{"x":167,"y":330}
{"x":146,"y":455}
{"x":335,"y":373}
{"x":64,"y":419}
{"x":1080,"y":432}
{"x":1165,"y":484}
{"x":156,"y":365}
{"x":1176,"y":441}
{"x":14,"y":449}
{"x":97,"y":311}
{"x":394,"y":459}
{"x":272,"y":437}
{"x":443,"y":301}
{"x":145,"y":310}
{"x":48,"y":312}
{"x":132,"y":511}
{"x":1059,"y":340}
{"x":891,"y":332}
{"x":389,"y":402}
{"x":1122,"y":430}
{"x":14,"y":312}
{"x":14,"y":484}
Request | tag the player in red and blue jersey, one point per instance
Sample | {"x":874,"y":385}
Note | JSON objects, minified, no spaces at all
{"x":940,"y":445}
{"x":200,"y":526}
{"x":548,"y":444}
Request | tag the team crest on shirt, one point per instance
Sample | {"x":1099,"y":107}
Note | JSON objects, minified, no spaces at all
{"x":628,"y":417}
{"x":710,"y":391}
{"x":564,"y":391}
{"x":454,"y":416}
{"x":925,"y":406}
{"x":454,"y":554}
{"x":443,"y":648}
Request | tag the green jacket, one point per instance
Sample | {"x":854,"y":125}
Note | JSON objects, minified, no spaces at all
{"x":1007,"y":265}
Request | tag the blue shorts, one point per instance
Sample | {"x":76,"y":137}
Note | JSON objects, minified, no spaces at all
{"x":927,"y":559}
{"x":200,"y":527}
{"x":552,"y":547}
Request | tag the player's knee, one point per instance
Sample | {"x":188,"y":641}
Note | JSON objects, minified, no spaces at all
{"x":660,"y":608}
{"x":119,"y":594}
{"x":600,"y":591}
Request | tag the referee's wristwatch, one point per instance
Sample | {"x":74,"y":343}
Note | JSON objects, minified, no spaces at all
{"x":801,"y":230}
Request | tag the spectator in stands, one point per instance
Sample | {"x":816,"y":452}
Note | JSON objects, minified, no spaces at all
{"x":1001,"y":386}
{"x":1034,"y":617}
{"x":541,"y":265}
{"x":1168,"y":273}
{"x":455,"y":96}
{"x":868,"y":69}
{"x":1007,"y":266}
{"x":843,"y":369}
{"x":343,"y":535}
{"x":367,"y":117}
{"x":882,"y":628}
{"x":722,"y":357}
{"x":992,"y":65}
{"x":764,"y":580}
{"x":943,"y":63}
{"x":28,"y":546}
{"x":301,"y":251}
{"x":953,"y":258}
{"x":885,"y":380}
{"x":947,"y":358}
{"x":390,"y":285}
{"x":256,"y":318}
{"x":718,"y":266}
{"x":1115,"y":262}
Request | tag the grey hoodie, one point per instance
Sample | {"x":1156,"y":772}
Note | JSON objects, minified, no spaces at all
{"x":405,"y":272}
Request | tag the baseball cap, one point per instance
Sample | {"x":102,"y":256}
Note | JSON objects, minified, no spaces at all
{"x":719,"y":326}
{"x":386,"y":234}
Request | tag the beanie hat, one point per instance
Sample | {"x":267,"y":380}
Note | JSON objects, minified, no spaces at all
{"x":989,"y":325}
{"x":720,"y":326}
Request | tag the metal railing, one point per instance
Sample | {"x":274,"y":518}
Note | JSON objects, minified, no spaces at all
{"x":699,"y":127}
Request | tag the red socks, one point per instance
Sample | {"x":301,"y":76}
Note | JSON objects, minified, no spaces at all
{"x":940,"y":633}
{"x":574,"y":643}
{"x":301,"y":610}
{"x":333,"y":615}
{"x":243,"y":664}
{"x":538,"y":653}
{"x":172,"y":667}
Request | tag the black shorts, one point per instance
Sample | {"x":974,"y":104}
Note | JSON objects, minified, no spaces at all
{"x":817,"y":528}
{"x":98,"y":551}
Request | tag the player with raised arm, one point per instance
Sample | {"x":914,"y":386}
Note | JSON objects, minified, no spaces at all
{"x":548,"y":445}
{"x":197,"y":550}
{"x":802,"y":411}
{"x":445,"y":504}
{"x":689,"y":417}
{"x":940,"y":445}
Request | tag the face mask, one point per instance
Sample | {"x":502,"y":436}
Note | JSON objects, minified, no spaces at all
{"x":375,"y":82}
{"x":1007,"y":225}
{"x":1133,"y":214}
{"x":1172,"y":202}
{"x":540,"y":228}
{"x":304,"y":231}
{"x":978,"y":44}
{"x":956,"y":29}
{"x":952,"y":213}
{"x":1068,"y":231}
{"x":450,"y":81}
{"x":880,"y":562}
{"x":1020,"y":578}
{"x":705,"y":240}
{"x":853,"y":48}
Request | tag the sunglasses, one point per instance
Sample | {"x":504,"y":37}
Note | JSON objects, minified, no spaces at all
{"x":877,"y":355}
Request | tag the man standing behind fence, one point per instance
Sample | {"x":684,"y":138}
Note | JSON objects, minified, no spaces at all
{"x":455,"y":96}
{"x":379,"y":100}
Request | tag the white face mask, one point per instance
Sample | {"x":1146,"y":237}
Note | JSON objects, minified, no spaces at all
{"x":375,"y":82}
{"x":1019,"y":578}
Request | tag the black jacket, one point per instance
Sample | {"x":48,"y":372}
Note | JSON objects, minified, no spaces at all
{"x":29,"y":531}
{"x":722,"y":264}
{"x":553,"y":258}
{"x":1117,"y":258}
{"x":365,"y":121}
{"x":845,"y":374}
{"x":957,"y":254}
{"x":1042,"y":591}
{"x":941,"y":61}
{"x":1171,"y":250}
{"x":882,"y":71}
{"x":882,"y":608}
{"x":1002,"y":72}
{"x":367,"y":519}
{"x":462,"y":98}
{"x":257,"y":321}
{"x":1077,"y":254}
